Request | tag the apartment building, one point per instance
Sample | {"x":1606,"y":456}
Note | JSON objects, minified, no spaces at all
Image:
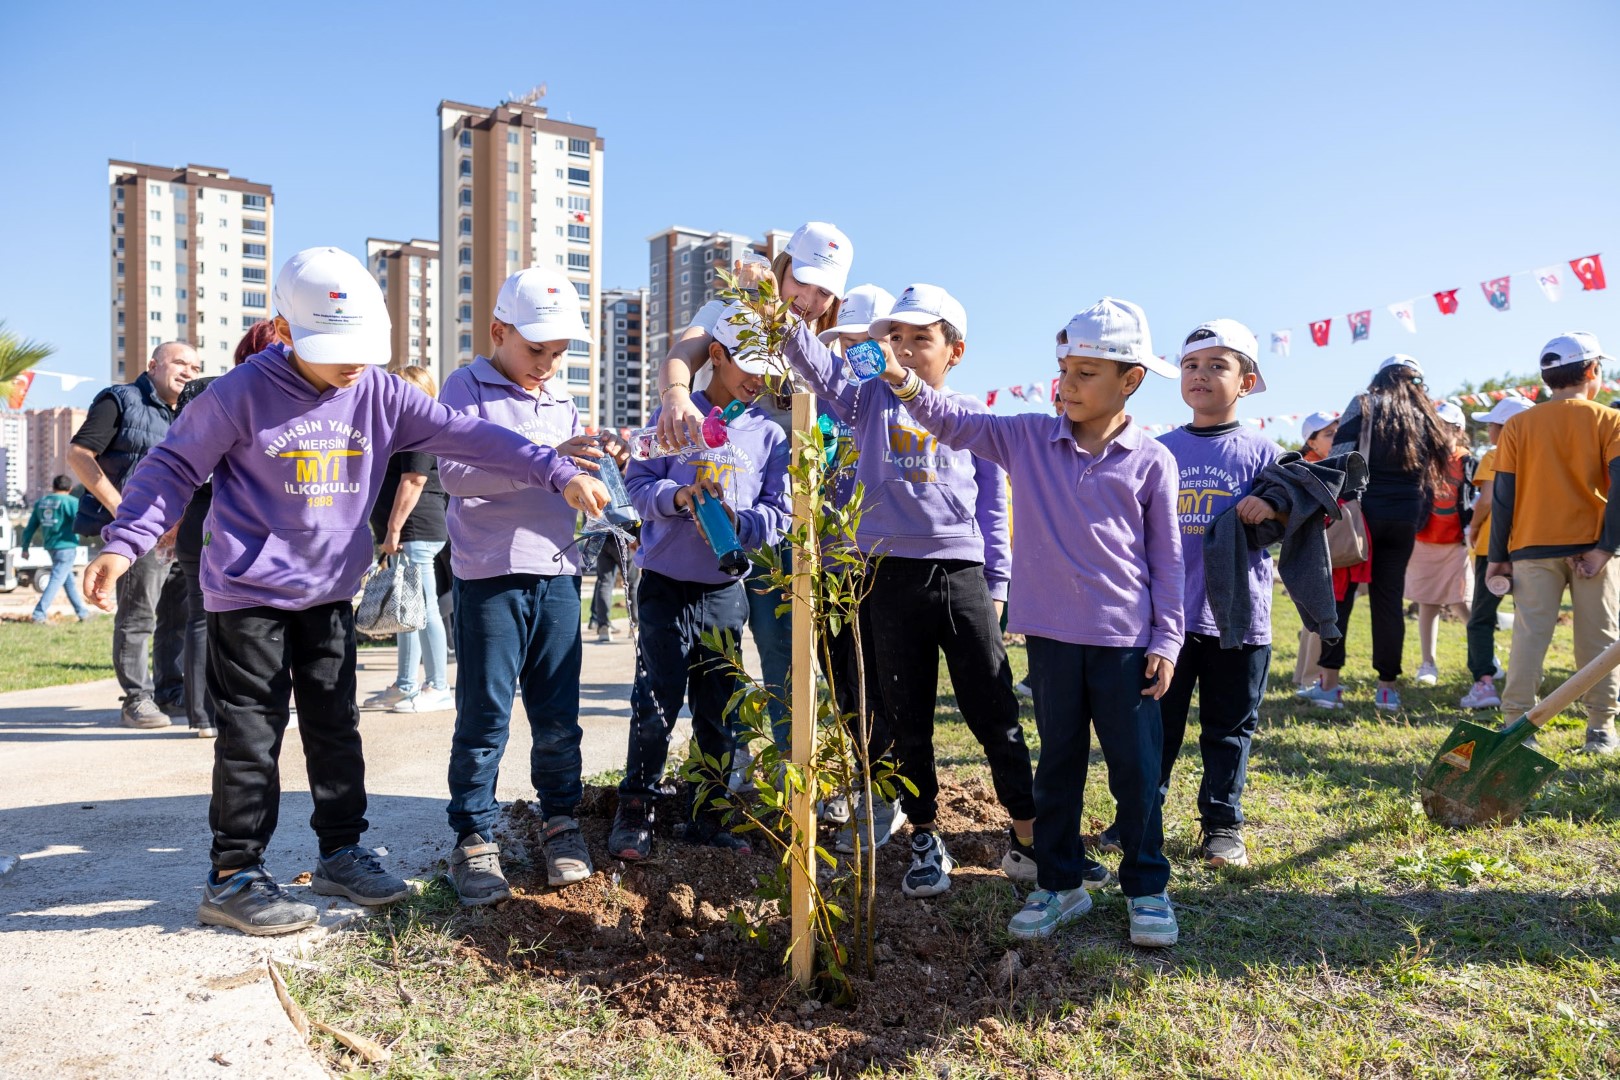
{"x":49,"y":433}
{"x":681,"y":275}
{"x":408,"y":273}
{"x":516,"y":189}
{"x":14,"y":451}
{"x":626,"y":386}
{"x":191,"y":259}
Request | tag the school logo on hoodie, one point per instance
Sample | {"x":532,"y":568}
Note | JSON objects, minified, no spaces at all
{"x":913,"y":452}
{"x":319,"y":453}
{"x":1206,"y":492}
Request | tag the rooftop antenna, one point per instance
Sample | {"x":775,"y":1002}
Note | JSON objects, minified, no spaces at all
{"x":534,"y":95}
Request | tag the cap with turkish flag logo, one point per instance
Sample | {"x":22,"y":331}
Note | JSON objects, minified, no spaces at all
{"x":821,"y":256}
{"x":1572,"y":347}
{"x":542,"y":305}
{"x":334,"y":308}
{"x":1227,"y":334}
{"x":1113,"y":330}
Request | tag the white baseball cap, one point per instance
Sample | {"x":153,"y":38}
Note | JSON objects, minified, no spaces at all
{"x":863,"y":304}
{"x":1451,"y":413}
{"x":1503,"y":410}
{"x":1401,"y":360}
{"x":920,"y":305}
{"x":1317,"y":421}
{"x":1572,"y":347}
{"x":821,"y":256}
{"x":542,"y":305}
{"x":728,"y":330}
{"x":1227,"y":334}
{"x":334,"y":308}
{"x":1113,"y":330}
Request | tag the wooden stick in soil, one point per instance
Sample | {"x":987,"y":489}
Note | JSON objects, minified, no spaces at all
{"x":803,"y":707}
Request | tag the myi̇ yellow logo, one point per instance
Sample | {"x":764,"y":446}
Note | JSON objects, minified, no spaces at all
{"x":718,"y":471}
{"x":319,"y":466}
{"x":1199,"y":500}
{"x":910,"y":440}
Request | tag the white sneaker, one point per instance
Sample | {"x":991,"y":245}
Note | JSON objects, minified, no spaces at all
{"x":1482,"y":696}
{"x":428,"y":699}
{"x":387,"y":697}
{"x":931,"y":866}
{"x":1428,"y":675}
{"x":604,"y":633}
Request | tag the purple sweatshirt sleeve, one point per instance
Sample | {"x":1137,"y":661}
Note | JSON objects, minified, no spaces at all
{"x":1162,"y":536}
{"x":826,"y":373}
{"x":432,"y":427}
{"x":468,"y":481}
{"x":990,"y":437}
{"x":651,"y":490}
{"x":761,"y":525}
{"x":991,"y":514}
{"x":160,"y":488}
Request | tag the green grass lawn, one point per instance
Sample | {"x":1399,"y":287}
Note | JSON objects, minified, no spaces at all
{"x":58,"y":652}
{"x":1362,"y":941}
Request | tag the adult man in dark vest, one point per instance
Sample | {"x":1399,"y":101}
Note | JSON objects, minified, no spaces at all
{"x":125,"y":422}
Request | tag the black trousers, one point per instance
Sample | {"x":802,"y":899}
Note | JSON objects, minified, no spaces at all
{"x":258,"y":659}
{"x":916,"y":609}
{"x":1482,"y":624}
{"x":838,"y":653}
{"x":169,"y":671}
{"x":1230,"y":685}
{"x":1391,"y":550}
{"x":199,"y":702}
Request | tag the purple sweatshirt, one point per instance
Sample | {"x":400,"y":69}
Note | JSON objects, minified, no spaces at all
{"x":1096,"y":552}
{"x":498,"y":526}
{"x":751,"y":468}
{"x":926,"y":498}
{"x":1217,"y":468}
{"x":295,"y":473}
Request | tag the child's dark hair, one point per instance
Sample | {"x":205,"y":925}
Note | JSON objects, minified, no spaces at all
{"x":62,"y":482}
{"x":1565,"y":376}
{"x":1246,"y":364}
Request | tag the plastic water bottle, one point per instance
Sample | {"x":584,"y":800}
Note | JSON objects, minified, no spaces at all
{"x":644,"y":442}
{"x":619,"y":510}
{"x":866,"y":360}
{"x":722,"y":535}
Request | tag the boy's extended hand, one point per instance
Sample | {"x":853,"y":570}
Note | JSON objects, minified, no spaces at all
{"x":615,"y":447}
{"x":893,"y":373}
{"x":582,"y":449}
{"x":1159,"y":670}
{"x":706,"y":488}
{"x":100,"y":577}
{"x":585,"y":493}
{"x":1252,"y":510}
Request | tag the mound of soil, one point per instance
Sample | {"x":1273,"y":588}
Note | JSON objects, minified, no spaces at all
{"x":654,"y":938}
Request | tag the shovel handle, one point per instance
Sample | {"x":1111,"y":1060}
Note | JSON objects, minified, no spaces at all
{"x":1576,"y":685}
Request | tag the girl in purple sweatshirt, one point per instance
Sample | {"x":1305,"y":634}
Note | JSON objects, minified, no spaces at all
{"x":298,"y":440}
{"x":1097,"y":591}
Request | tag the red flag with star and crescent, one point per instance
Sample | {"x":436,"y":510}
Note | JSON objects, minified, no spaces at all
{"x":1017,"y":392}
{"x":1320,"y":330}
{"x":990,"y":397}
{"x":1447,"y":301}
{"x":1590,"y":271}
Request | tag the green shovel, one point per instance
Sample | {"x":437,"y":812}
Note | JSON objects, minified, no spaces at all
{"x":1481,"y":776}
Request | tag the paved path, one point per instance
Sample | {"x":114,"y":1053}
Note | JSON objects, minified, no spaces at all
{"x":104,"y":971}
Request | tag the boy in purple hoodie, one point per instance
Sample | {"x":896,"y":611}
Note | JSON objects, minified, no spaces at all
{"x":935,"y":520}
{"x":684,"y":594}
{"x":1096,"y":590}
{"x":298,"y":440}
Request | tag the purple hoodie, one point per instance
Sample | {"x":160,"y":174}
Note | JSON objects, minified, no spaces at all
{"x":295,"y":473}
{"x":499,"y":526}
{"x":1097,"y":550}
{"x":924,"y":498}
{"x":751,"y":469}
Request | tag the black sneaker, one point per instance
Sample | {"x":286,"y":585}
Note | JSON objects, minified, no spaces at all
{"x":708,"y":829}
{"x":1108,"y":841}
{"x":931,"y":866}
{"x":1223,"y":845}
{"x":251,"y":901}
{"x":356,"y":872}
{"x":475,"y":872}
{"x":1019,"y":862}
{"x":1096,"y":876}
{"x":631,"y":838}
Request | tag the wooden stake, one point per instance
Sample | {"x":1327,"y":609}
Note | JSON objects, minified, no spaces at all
{"x":803,"y":706}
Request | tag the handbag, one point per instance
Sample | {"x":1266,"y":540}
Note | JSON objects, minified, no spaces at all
{"x":1347,"y":536}
{"x":391,"y":599}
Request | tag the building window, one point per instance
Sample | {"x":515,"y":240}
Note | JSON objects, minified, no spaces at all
{"x":511,"y":138}
{"x":466,"y":167}
{"x":154,"y":189}
{"x":686,"y":297}
{"x":580,"y":203}
{"x":253,"y":273}
{"x":120,"y":344}
{"x":154,"y":316}
{"x":466,"y":196}
{"x":180,"y":217}
{"x":253,"y":299}
{"x":464,"y":343}
{"x":686,"y":278}
{"x":224,"y":249}
{"x":464,"y":313}
{"x":708,"y":275}
{"x":180,"y":243}
{"x":155,"y":290}
{"x":416,"y":284}
{"x":464,"y":256}
{"x":120,"y":267}
{"x":181,"y":319}
{"x":583,"y":288}
{"x":416,"y":322}
{"x":155,"y":215}
{"x":619,"y":340}
{"x":579,"y":176}
{"x":155,"y":266}
{"x":223,"y":198}
{"x":252,"y":202}
{"x":118,"y":245}
{"x":582,"y":348}
{"x":579,"y":232}
{"x":253,"y":225}
{"x":686,"y":258}
{"x":466,"y":138}
{"x":578,"y":373}
{"x":578,"y":260}
{"x":118,"y":193}
{"x":619,"y":309}
{"x":708,"y":255}
{"x":252,"y":251}
{"x":466,"y":226}
{"x":466,"y":283}
{"x":120,"y":318}
{"x":579,"y":147}
{"x":416,"y":303}
{"x":512,"y":167}
{"x":156,"y":241}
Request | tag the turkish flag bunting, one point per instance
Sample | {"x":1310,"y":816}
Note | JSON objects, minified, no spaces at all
{"x":1055,"y":381}
{"x":1497,"y":292}
{"x":19,"y":389}
{"x":1320,"y":330}
{"x":1590,"y":271}
{"x":1447,"y":299}
{"x":1532,"y":392}
{"x":990,"y":398}
{"x":1017,"y":392}
{"x":1360,"y":325}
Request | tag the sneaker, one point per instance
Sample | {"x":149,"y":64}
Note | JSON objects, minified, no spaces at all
{"x":1019,"y":862}
{"x":835,"y":811}
{"x":1482,"y":696}
{"x":143,"y":713}
{"x":1321,"y":698}
{"x":631,"y":838}
{"x":1601,"y":740}
{"x":604,"y":633}
{"x":251,"y":901}
{"x":205,"y":731}
{"x":475,"y":872}
{"x":740,"y":778}
{"x":567,"y":858}
{"x":428,"y":699}
{"x":1223,"y":845}
{"x":1108,"y":841}
{"x":1500,"y":672}
{"x":709,"y":831}
{"x":1045,"y":911}
{"x":1153,"y":921}
{"x":887,"y":820}
{"x":292,"y":718}
{"x":1387,"y":700}
{"x":175,"y":710}
{"x":931,"y":866}
{"x":385,"y":698}
{"x":1427,"y":675}
{"x":356,"y":872}
{"x":1096,"y":876}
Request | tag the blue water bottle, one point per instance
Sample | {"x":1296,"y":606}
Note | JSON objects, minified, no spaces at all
{"x":866,"y":360}
{"x":722,"y":535}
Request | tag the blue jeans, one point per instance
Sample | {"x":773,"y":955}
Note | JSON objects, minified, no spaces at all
{"x":428,"y":644}
{"x":516,"y":630}
{"x":773,"y":638}
{"x":1078,"y":687}
{"x":61,"y":577}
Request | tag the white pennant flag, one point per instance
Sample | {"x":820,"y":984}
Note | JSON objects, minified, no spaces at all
{"x":1405,"y":313}
{"x":1035,"y":392}
{"x":1552,"y":285}
{"x":1281,"y":340}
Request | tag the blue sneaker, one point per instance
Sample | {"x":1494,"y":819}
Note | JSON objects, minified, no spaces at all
{"x":251,"y":901}
{"x":1388,"y":700}
{"x":931,"y":866}
{"x":1153,"y":921}
{"x":1045,"y":911}
{"x":356,"y":872}
{"x":1322,"y":699}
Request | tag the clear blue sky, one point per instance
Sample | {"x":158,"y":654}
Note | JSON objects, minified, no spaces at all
{"x":1275,"y":163}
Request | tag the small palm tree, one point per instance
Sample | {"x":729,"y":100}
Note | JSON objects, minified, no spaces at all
{"x":18,"y":355}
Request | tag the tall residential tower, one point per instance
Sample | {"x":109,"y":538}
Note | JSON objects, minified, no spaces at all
{"x":408,"y":273}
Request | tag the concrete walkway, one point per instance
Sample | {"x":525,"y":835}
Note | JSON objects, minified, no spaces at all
{"x":104,"y":971}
